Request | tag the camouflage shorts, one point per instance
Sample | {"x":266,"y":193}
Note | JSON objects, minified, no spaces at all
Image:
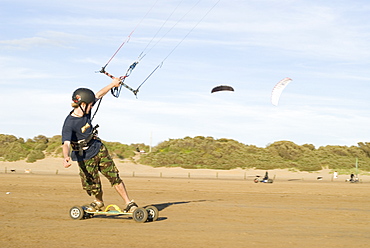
{"x":89,"y":171}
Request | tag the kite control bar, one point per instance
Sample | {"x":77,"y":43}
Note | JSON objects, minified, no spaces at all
{"x":117,"y":90}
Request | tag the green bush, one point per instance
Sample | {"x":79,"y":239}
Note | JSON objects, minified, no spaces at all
{"x":35,"y":155}
{"x":206,"y":152}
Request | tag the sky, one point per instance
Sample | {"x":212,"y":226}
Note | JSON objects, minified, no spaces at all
{"x":50,"y":48}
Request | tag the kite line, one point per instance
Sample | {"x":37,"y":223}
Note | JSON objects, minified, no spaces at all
{"x":117,"y":90}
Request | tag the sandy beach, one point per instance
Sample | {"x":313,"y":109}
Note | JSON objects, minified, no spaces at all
{"x":198,"y":208}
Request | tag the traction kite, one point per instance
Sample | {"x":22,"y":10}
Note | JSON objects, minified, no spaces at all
{"x":117,"y":90}
{"x":222,"y":88}
{"x":278,"y":89}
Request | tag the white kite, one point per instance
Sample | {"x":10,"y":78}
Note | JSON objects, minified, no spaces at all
{"x":278,"y":89}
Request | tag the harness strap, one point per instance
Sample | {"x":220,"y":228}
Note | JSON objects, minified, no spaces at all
{"x":84,"y":144}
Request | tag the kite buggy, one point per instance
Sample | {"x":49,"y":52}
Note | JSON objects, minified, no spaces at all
{"x":265,"y":179}
{"x":258,"y":179}
{"x":353,"y":179}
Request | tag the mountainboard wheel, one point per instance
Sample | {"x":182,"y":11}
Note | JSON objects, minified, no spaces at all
{"x":140,"y":215}
{"x":153,"y":213}
{"x":77,"y":213}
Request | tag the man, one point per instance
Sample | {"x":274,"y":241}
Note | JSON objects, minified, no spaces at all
{"x":88,"y":150}
{"x":266,"y":177}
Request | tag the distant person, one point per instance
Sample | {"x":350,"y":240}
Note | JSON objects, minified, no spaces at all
{"x":90,"y":153}
{"x":335,"y":175}
{"x":352,"y":177}
{"x":266,"y":177}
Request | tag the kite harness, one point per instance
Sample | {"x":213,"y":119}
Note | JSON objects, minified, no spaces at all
{"x":84,"y":144}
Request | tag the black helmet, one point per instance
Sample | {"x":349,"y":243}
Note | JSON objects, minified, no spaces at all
{"x":83,"y":95}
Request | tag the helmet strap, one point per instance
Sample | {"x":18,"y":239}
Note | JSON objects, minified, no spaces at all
{"x":83,"y":110}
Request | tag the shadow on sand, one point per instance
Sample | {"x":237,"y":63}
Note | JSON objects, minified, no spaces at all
{"x":159,"y":206}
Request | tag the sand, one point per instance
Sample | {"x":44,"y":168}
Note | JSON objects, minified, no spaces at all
{"x":198,"y":208}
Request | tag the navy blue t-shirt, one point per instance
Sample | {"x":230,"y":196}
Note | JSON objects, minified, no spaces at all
{"x":78,"y":128}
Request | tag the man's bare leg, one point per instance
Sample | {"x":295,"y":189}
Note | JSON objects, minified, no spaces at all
{"x":99,"y":197}
{"x":121,"y":189}
{"x":97,"y":204}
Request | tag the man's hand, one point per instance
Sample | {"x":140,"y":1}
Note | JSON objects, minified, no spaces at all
{"x":116,"y":82}
{"x":67,"y":162}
